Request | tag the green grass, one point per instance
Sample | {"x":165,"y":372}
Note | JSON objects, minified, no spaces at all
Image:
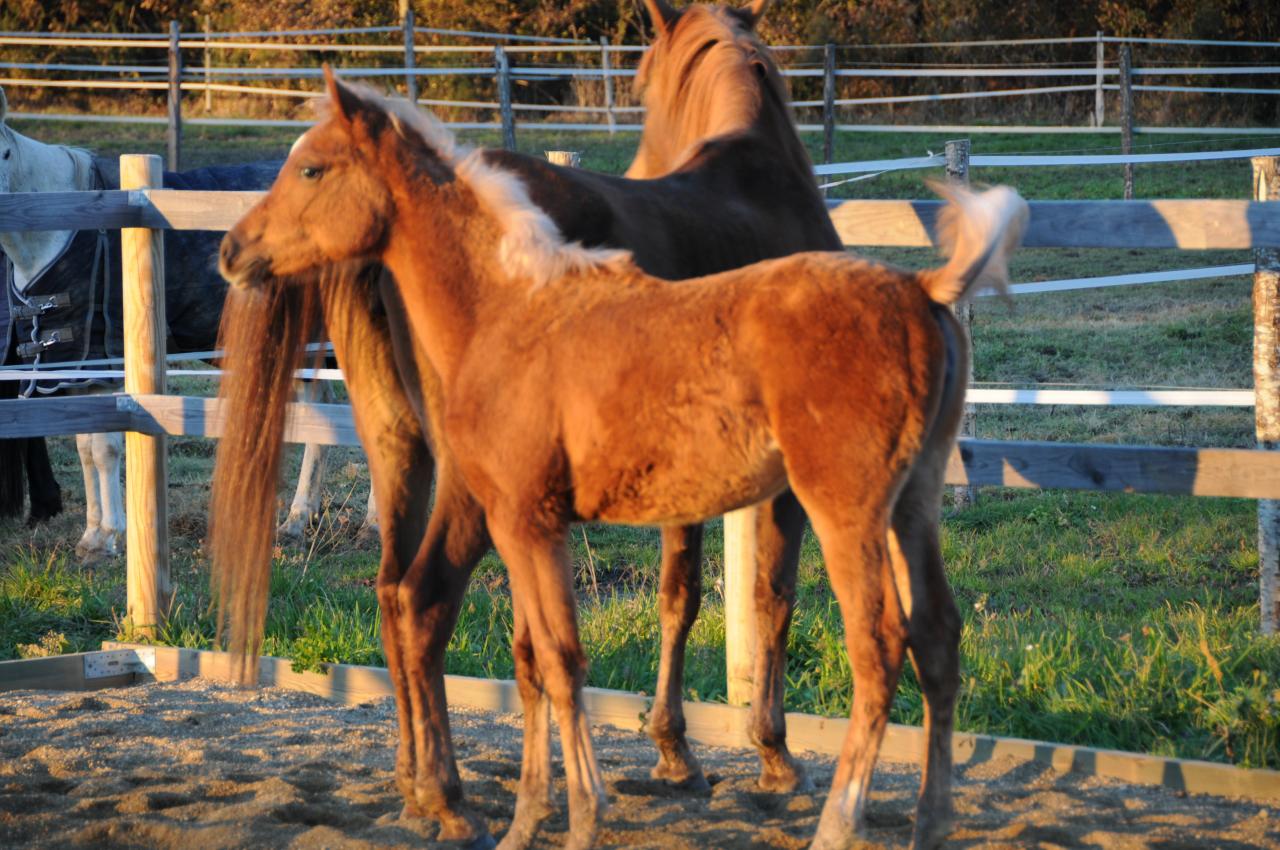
{"x":1108,"y":620}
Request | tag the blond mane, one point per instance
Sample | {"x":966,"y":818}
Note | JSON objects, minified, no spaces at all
{"x":532,"y":248}
{"x":710,"y":58}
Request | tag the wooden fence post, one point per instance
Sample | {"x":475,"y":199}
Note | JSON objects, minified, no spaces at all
{"x":739,"y":604}
{"x":175,"y":96}
{"x":606,"y":67}
{"x":828,"y":102}
{"x":572,"y":159}
{"x":957,"y":153}
{"x":1266,"y":386}
{"x":1126,"y":116}
{"x":146,"y":466}
{"x":1098,"y":100}
{"x":410,"y":78}
{"x":208,"y":71}
{"x":502,"y":68}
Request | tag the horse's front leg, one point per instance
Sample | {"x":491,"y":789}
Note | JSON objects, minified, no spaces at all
{"x":428,"y":599}
{"x":369,"y":528}
{"x":424,"y":567}
{"x":305,"y":507}
{"x":679,"y":597}
{"x":100,"y":459}
{"x":46,"y":496}
{"x":537,"y":560}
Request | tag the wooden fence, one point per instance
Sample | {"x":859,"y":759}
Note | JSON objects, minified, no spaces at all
{"x":145,"y":410}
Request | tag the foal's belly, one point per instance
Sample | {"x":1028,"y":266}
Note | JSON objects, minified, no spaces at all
{"x":679,"y":482}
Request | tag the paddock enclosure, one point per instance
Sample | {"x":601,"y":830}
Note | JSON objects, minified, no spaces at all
{"x":208,"y":765}
{"x":152,"y":416}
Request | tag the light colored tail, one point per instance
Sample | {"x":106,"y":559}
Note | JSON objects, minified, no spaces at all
{"x":978,"y":231}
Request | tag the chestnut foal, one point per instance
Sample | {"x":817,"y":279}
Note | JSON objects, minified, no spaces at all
{"x":576,"y":387}
{"x":718,"y":136}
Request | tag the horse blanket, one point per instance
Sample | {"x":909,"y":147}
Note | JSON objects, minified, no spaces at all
{"x":72,"y":310}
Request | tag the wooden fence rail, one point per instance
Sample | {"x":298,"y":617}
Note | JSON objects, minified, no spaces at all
{"x":1239,"y":473}
{"x":1185,"y":224}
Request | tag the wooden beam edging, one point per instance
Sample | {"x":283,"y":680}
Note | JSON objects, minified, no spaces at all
{"x":726,"y":726}
{"x":63,"y":673}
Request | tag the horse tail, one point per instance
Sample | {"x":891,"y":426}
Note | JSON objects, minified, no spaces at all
{"x":978,"y":231}
{"x":264,"y":332}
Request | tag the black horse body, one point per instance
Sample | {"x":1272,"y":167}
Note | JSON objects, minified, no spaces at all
{"x":73,"y":312}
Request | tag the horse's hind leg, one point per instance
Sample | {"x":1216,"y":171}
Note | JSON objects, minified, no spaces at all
{"x":855,"y":548}
{"x":679,"y":597}
{"x":779,"y":532}
{"x":934,"y":624}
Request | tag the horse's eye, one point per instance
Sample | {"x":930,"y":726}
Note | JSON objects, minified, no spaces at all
{"x":310,"y":172}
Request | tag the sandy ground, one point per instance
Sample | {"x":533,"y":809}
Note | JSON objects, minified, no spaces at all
{"x":201,"y":765}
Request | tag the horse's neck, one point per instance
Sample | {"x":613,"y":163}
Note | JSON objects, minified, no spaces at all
{"x":440,"y":251}
{"x":42,"y":168}
{"x":667,"y":145}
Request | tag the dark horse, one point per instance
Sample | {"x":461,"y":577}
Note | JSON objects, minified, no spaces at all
{"x":737,"y":191}
{"x":574,"y":387}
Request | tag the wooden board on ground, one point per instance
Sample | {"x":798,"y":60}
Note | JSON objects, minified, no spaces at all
{"x":726,"y":726}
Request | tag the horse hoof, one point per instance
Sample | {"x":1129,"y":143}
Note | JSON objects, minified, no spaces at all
{"x":931,"y":831}
{"x":90,"y":550}
{"x":460,"y":829}
{"x":789,"y":777}
{"x":682,"y":776}
{"x":291,"y":531}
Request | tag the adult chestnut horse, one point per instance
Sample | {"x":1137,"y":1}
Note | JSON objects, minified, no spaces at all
{"x":576,"y":387}
{"x":740,"y":189}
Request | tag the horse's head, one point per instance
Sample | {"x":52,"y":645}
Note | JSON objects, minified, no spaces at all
{"x":706,"y":74}
{"x":332,"y":201}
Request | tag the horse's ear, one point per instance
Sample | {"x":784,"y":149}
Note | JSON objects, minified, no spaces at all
{"x":662,"y":14}
{"x":756,"y":11}
{"x":343,"y":101}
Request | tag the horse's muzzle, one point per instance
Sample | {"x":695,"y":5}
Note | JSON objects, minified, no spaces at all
{"x":240,"y":272}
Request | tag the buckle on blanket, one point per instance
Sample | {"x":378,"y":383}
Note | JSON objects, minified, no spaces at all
{"x":47,"y":340}
{"x":41,"y":305}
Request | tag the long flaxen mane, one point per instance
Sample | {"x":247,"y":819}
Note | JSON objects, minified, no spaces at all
{"x":706,"y":75}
